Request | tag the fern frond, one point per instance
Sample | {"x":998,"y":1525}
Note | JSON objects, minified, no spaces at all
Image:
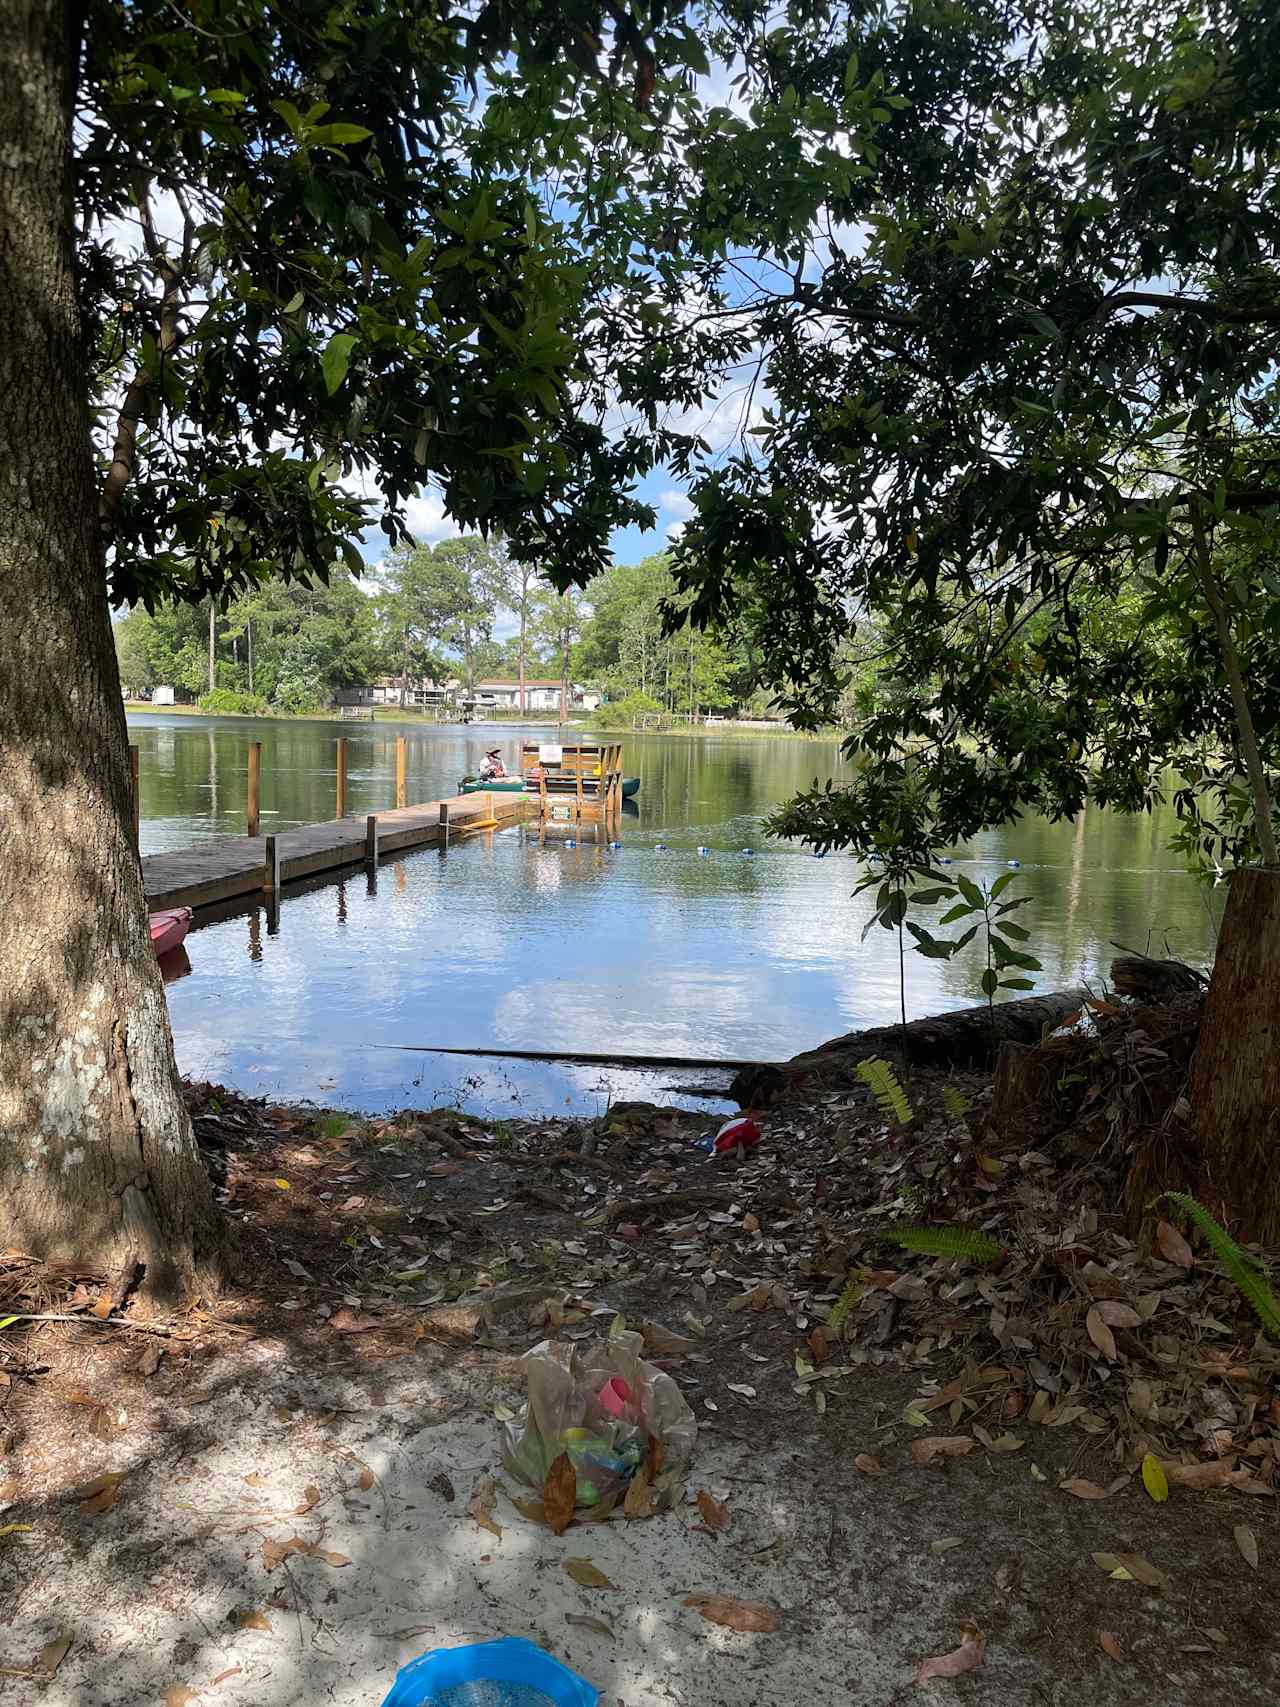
{"x":1242,"y":1268}
{"x":881,"y":1080}
{"x":844,"y":1303}
{"x":954,"y":1242}
{"x":955,"y":1102}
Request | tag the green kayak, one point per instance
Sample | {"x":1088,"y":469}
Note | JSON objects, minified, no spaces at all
{"x":514,"y":785}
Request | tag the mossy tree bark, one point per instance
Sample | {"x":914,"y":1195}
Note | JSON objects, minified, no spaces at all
{"x":97,"y":1157}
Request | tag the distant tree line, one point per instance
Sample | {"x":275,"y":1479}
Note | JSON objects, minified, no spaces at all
{"x":431,"y":612}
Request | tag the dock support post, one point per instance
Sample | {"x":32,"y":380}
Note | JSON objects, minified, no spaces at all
{"x":444,"y":825}
{"x":271,"y":868}
{"x":136,"y":804}
{"x":340,"y":804}
{"x":371,"y":839}
{"x":402,"y":771}
{"x":255,"y":788}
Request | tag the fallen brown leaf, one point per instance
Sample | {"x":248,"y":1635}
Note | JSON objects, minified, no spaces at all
{"x":1134,"y":1565}
{"x":310,"y":1498}
{"x":1173,"y":1246}
{"x":275,"y":1552}
{"x":736,"y":1614}
{"x":585,"y":1623}
{"x":1118,"y":1315}
{"x":1214,"y":1473}
{"x":967,"y":1657}
{"x":715,"y":1516}
{"x":587,"y":1575}
{"x":639,"y":1501}
{"x":1247,"y":1542}
{"x":1109,"y":1645}
{"x":483,"y":1499}
{"x":1101,"y":1334}
{"x":247,"y":1618}
{"x":367,"y":1479}
{"x":178,"y":1695}
{"x":1086,"y":1490}
{"x":559,"y":1494}
{"x":941,"y":1446}
{"x":53,"y":1653}
{"x":102,"y":1493}
{"x":868,"y":1465}
{"x":349,"y":1321}
{"x":661,"y":1342}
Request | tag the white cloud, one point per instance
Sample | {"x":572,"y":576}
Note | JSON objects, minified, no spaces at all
{"x":426,"y":519}
{"x":676,"y":504}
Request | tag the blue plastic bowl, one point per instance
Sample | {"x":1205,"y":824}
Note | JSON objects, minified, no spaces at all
{"x":510,"y":1660}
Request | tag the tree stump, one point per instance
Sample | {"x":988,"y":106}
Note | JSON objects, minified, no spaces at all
{"x":1235,"y":1074}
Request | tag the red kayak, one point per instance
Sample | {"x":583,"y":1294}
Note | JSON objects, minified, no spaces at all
{"x":169,"y":928}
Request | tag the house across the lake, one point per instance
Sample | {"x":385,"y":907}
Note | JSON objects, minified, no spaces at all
{"x":493,"y":693}
{"x":541,"y":693}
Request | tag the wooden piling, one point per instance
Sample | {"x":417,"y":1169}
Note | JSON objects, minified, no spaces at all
{"x":136,"y":803}
{"x":271,"y":867}
{"x":340,"y":804}
{"x":255,"y":788}
{"x":371,"y":839}
{"x":402,"y":771}
{"x":444,"y":824}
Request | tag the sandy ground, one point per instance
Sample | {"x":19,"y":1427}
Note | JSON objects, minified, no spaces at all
{"x":169,"y":1597}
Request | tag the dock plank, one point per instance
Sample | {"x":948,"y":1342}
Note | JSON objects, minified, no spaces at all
{"x":228,"y":866}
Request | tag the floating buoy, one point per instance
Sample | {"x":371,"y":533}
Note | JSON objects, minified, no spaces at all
{"x":1014,"y":863}
{"x":945,"y":861}
{"x":615,"y":845}
{"x":571,"y":843}
{"x":659,"y":847}
{"x":819,"y":853}
{"x":749,"y":853}
{"x":704,"y":850}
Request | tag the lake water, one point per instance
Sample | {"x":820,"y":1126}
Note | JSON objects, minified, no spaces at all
{"x":513,"y":941}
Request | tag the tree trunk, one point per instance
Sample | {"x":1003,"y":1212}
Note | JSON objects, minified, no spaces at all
{"x":1235,"y":1076}
{"x":248,"y":636}
{"x":524,"y":647}
{"x":97,"y":1157}
{"x":404,"y":673}
{"x":213,"y":646}
{"x":564,"y":676}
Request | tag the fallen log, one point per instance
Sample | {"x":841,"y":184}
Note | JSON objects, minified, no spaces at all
{"x":969,"y":1037}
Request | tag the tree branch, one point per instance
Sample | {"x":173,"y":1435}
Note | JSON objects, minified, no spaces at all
{"x":1267,"y":314}
{"x":124,"y":453}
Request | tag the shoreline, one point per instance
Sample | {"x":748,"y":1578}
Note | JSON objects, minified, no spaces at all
{"x":391,"y":715}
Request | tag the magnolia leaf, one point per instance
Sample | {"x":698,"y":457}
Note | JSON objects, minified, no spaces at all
{"x":484,"y":1498}
{"x":1131,"y":1566}
{"x":714,"y":1515}
{"x":584,"y":1622}
{"x":1109,"y":1645}
{"x":639,"y":1501}
{"x":560,"y":1493}
{"x":967,"y":1657}
{"x":1173,"y":1246}
{"x":941,"y":1446}
{"x":868,"y":1465}
{"x":1247,"y":1542}
{"x":1154,"y":1479}
{"x":1101,"y":1335}
{"x":53,"y":1653}
{"x":335,"y":362}
{"x":587,"y":1575}
{"x":736,"y":1614}
{"x":1084,"y":1490}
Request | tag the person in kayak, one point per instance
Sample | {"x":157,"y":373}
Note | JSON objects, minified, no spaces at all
{"x":493,"y":767}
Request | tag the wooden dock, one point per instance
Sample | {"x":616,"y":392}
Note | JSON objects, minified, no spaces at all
{"x":233,"y":866}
